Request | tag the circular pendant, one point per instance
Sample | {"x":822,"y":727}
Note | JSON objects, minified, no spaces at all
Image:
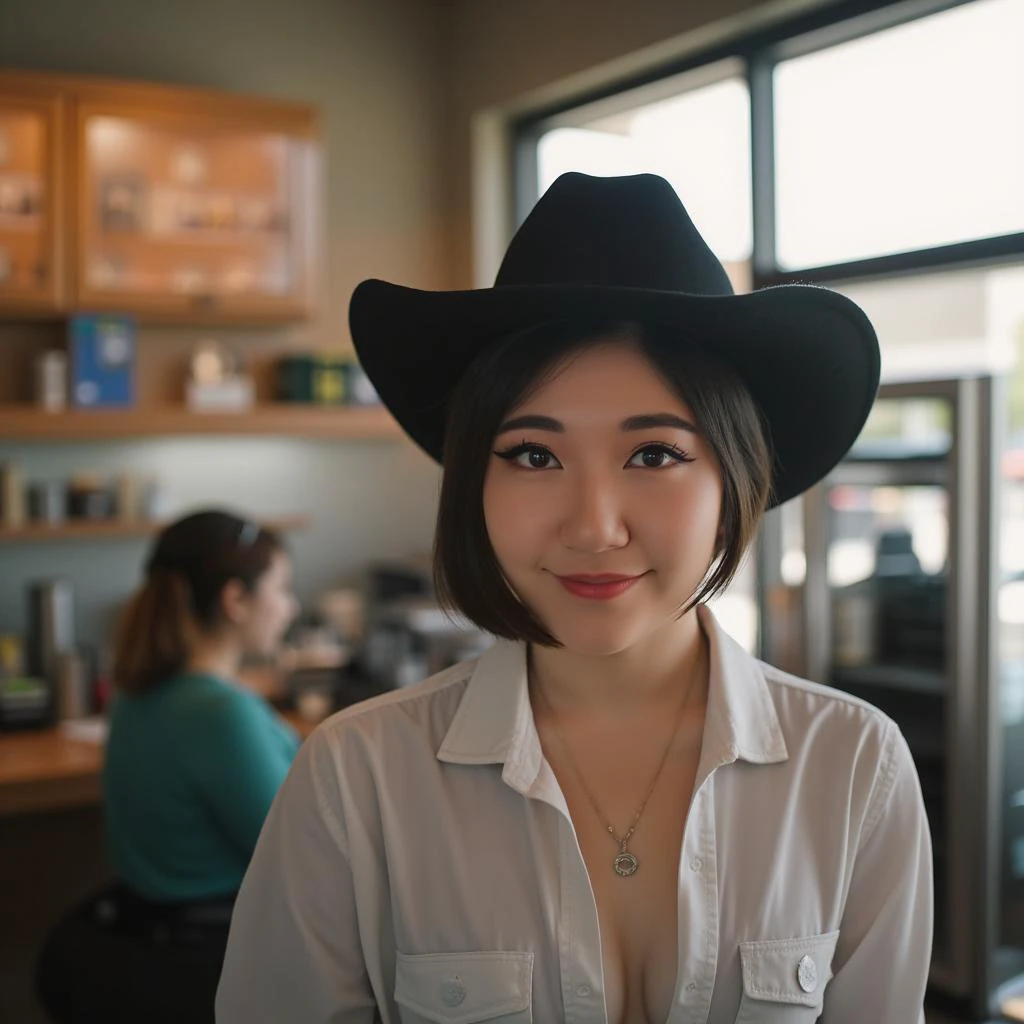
{"x":625,"y":864}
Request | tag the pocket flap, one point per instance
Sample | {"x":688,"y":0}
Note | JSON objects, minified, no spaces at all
{"x":788,"y":970}
{"x":461,"y":988}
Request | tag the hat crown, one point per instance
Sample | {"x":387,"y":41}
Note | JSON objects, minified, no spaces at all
{"x":625,"y":232}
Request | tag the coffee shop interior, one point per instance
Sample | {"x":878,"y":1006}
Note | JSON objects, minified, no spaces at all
{"x":189,"y":193}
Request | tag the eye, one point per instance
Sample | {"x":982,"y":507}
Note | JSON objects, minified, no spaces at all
{"x":530,"y":456}
{"x":658,"y":456}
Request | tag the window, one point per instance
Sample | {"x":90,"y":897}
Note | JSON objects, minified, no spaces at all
{"x":905,"y":139}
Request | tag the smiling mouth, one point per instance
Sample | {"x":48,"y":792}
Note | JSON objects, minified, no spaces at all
{"x":598,"y":587}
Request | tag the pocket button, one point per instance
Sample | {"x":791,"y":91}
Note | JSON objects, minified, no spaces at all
{"x":807,"y":974}
{"x":453,"y":992}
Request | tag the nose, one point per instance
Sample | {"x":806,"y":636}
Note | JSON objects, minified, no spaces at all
{"x":594,"y":520}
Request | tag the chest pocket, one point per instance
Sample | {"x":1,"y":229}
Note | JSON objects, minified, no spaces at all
{"x":463,"y":988}
{"x":784,"y":979}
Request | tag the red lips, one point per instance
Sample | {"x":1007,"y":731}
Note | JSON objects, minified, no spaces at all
{"x":600,"y":587}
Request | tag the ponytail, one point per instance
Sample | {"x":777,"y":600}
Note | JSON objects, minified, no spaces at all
{"x":192,"y":561}
{"x":152,"y":638}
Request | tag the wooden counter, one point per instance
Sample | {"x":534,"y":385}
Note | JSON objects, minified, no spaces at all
{"x":45,"y":770}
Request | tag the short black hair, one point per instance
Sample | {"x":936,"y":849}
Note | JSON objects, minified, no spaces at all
{"x":468,"y":576}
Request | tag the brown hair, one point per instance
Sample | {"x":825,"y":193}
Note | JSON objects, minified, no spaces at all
{"x":190,"y":564}
{"x":468,"y":576}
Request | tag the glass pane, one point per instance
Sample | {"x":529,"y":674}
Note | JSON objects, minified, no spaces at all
{"x":698,"y":139}
{"x":22,"y":201}
{"x":1010,"y":654}
{"x":887,"y":576}
{"x":944,"y":325}
{"x":189,"y":212}
{"x":911,"y":428}
{"x":905,"y":139}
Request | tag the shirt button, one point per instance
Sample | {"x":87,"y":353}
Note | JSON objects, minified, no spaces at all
{"x":453,"y":992}
{"x":697,"y":863}
{"x":807,"y":974}
{"x":691,"y":986}
{"x":584,"y":991}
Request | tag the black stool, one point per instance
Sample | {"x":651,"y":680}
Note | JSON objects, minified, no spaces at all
{"x":118,"y":959}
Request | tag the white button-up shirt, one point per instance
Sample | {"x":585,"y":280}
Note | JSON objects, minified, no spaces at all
{"x":420,"y":864}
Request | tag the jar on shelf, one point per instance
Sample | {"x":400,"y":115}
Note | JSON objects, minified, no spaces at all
{"x":88,"y":498}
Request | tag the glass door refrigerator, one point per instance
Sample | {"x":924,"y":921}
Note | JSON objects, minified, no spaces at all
{"x":885,"y":581}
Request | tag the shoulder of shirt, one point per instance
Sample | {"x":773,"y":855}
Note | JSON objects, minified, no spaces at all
{"x":211,"y":697}
{"x":820,"y":696}
{"x":877,"y":739}
{"x":455,"y":677}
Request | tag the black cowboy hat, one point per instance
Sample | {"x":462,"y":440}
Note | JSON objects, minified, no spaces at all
{"x":624,"y":249}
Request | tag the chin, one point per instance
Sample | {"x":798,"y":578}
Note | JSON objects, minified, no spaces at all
{"x":596,"y":639}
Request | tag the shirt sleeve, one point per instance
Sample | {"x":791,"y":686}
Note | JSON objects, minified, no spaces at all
{"x":294,"y":950}
{"x":241,"y":755}
{"x":885,"y":937}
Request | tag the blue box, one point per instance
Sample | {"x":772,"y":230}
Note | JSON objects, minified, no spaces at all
{"x":103,"y":355}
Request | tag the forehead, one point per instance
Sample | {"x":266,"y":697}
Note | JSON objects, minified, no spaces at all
{"x":611,"y":374}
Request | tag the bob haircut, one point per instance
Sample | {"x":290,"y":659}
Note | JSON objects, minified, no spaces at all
{"x":467,"y":574}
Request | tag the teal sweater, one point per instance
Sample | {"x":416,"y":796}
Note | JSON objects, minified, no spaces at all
{"x":190,"y":773}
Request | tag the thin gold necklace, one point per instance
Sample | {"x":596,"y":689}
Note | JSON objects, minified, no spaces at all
{"x":626,"y":862}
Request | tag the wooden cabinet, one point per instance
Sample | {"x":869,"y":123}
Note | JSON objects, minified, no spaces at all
{"x":31,"y":197}
{"x":176,"y":204}
{"x":192,"y":206}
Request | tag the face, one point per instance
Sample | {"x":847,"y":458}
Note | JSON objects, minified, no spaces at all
{"x":263,"y":615}
{"x":602,"y":501}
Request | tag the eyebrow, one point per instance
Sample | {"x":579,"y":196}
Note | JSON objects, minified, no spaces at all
{"x":643,"y":422}
{"x":658,"y":419}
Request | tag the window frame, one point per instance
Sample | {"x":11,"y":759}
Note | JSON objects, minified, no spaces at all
{"x":757,"y":54}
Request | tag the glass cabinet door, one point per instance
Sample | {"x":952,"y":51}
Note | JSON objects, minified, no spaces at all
{"x":193,"y":215}
{"x":887,"y":520}
{"x":879,"y":581}
{"x":30,"y":275}
{"x":1009,"y":614}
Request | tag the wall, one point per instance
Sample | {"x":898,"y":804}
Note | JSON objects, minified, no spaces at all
{"x":373,"y":69}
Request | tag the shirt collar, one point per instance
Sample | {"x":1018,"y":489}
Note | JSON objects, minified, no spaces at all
{"x":494,"y":721}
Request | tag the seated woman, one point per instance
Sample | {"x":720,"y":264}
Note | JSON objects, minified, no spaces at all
{"x":193,"y":763}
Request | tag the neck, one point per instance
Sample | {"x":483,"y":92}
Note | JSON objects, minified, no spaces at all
{"x":648,"y":676}
{"x":216,"y":656}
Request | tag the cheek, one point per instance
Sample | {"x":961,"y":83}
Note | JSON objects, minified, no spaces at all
{"x":688,"y":523}
{"x":508,"y":519}
{"x":272,"y":614}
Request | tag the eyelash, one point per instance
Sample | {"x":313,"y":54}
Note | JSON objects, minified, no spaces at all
{"x":676,"y":454}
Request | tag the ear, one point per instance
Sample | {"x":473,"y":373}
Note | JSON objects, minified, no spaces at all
{"x":234,"y":602}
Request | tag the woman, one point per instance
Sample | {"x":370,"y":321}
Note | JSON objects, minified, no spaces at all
{"x":615,"y":814}
{"x":193,"y":763}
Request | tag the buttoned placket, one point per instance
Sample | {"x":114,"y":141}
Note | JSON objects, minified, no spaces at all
{"x":697,"y":911}
{"x":581,"y":970}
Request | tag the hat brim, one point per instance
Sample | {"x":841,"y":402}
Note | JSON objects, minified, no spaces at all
{"x":808,"y":355}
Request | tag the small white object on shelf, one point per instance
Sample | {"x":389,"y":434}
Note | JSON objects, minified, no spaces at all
{"x":235,"y":394}
{"x":216,"y":380}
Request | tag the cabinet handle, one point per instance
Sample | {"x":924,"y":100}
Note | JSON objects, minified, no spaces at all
{"x":205,"y":300}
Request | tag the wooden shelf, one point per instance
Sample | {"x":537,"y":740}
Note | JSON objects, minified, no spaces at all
{"x":28,"y":423}
{"x":41,"y":533}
